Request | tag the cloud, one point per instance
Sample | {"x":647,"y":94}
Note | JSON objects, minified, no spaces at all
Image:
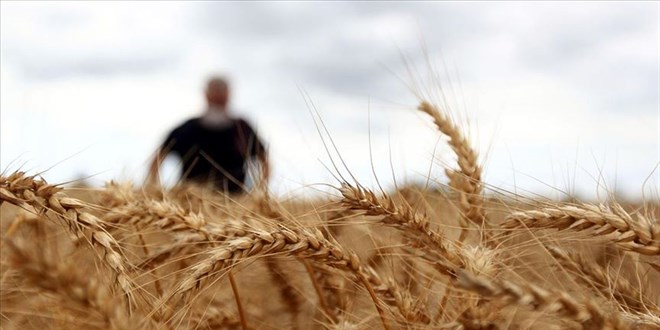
{"x":63,"y":66}
{"x":57,"y":41}
{"x":555,"y":74}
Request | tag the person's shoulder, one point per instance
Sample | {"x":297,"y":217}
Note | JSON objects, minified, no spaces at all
{"x":240,"y":122}
{"x":190,"y":123}
{"x":194,"y":121}
{"x":184,"y":129}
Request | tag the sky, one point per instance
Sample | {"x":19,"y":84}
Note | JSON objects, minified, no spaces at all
{"x":558,"y":97}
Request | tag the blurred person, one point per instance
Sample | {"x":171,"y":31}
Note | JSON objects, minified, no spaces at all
{"x":215,"y":148}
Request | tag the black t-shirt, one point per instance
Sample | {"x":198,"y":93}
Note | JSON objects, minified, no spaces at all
{"x":216,"y":155}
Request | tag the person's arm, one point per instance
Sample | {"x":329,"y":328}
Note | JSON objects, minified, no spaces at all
{"x":170,"y":144}
{"x":154,"y":169}
{"x":261,"y":154}
{"x":262,"y":157}
{"x":254,"y":149}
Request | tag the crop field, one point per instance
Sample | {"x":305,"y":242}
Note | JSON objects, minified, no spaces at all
{"x":463,"y":256}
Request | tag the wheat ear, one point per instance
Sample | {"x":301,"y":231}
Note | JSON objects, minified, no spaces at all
{"x":587,"y":313}
{"x":285,"y":241}
{"x":594,"y":276}
{"x":403,"y":217}
{"x":64,"y":281}
{"x":641,"y":235}
{"x":467,"y":180}
{"x":287,"y":291}
{"x":411,"y":311}
{"x":19,"y":189}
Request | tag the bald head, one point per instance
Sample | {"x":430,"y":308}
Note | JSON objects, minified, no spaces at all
{"x":217,"y":92}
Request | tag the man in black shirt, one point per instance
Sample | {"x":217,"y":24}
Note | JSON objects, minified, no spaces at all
{"x":214,"y":148}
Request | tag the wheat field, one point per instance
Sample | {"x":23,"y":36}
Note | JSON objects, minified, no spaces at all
{"x":464,"y":257}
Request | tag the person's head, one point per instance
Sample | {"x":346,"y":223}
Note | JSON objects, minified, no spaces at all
{"x":217,"y":92}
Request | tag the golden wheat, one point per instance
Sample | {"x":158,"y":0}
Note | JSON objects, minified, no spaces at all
{"x":192,"y":258}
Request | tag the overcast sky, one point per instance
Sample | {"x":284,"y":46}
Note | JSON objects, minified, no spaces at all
{"x":562,"y":95}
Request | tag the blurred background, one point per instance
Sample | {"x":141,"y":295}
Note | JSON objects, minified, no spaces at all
{"x":559,"y":97}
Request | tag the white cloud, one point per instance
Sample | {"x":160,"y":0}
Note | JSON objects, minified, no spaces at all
{"x":542,"y":83}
